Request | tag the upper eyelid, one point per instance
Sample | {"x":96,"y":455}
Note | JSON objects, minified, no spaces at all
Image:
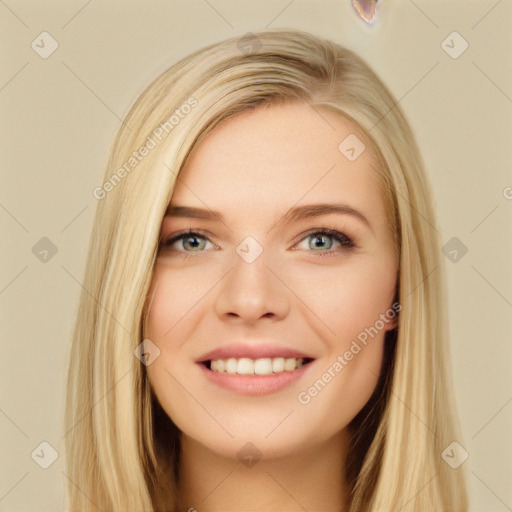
{"x":174,"y":236}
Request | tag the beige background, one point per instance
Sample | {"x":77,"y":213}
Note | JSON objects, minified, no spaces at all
{"x":60,"y":114}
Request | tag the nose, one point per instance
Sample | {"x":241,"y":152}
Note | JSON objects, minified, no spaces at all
{"x":252,"y":291}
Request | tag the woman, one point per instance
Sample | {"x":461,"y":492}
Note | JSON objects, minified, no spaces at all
{"x":223,"y":357}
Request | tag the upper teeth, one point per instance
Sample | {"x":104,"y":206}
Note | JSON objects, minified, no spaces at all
{"x":264,"y":366}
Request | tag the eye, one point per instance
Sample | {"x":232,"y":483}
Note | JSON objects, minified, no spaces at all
{"x":190,"y":241}
{"x":323,"y":240}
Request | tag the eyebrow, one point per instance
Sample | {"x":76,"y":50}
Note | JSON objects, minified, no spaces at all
{"x":293,"y":214}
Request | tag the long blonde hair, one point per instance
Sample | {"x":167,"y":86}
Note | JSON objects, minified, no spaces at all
{"x":113,"y":425}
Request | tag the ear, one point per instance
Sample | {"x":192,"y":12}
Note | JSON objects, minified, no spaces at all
{"x":392,"y":323}
{"x":392,"y":313}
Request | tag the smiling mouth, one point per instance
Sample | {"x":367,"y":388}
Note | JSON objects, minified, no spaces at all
{"x":251,"y":367}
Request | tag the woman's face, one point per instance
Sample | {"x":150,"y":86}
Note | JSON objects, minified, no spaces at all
{"x":263,"y":284}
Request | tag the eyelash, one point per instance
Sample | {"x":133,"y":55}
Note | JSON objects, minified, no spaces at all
{"x":346,"y":242}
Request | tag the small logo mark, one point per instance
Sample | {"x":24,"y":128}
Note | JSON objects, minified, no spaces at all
{"x":44,"y":455}
{"x":351,"y":147}
{"x":146,"y":352}
{"x":249,"y":249}
{"x":454,"y":249}
{"x":44,"y":45}
{"x":249,"y":455}
{"x":454,"y":455}
{"x":249,"y":44}
{"x":44,"y":250}
{"x":454,"y":45}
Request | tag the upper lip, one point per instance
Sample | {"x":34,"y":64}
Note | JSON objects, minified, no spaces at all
{"x":252,"y":351}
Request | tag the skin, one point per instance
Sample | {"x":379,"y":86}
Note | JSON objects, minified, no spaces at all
{"x":252,"y":169}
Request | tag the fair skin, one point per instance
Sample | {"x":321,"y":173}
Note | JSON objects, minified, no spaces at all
{"x":306,"y":291}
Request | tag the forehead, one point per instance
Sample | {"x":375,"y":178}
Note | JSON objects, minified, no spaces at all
{"x":277,"y":156}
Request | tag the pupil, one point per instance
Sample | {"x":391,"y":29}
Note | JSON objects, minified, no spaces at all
{"x":193,"y":238}
{"x":321,"y":239}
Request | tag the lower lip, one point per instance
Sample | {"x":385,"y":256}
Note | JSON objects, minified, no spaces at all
{"x":254,"y":385}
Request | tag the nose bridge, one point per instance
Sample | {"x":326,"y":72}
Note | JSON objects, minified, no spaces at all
{"x":251,"y":290}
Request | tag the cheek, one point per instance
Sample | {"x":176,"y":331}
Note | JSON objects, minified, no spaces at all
{"x":172,"y":317}
{"x":174,"y":296}
{"x":350,"y":302}
{"x":348,"y":299}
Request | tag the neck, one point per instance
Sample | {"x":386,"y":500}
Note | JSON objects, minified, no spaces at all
{"x":312,"y":480}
